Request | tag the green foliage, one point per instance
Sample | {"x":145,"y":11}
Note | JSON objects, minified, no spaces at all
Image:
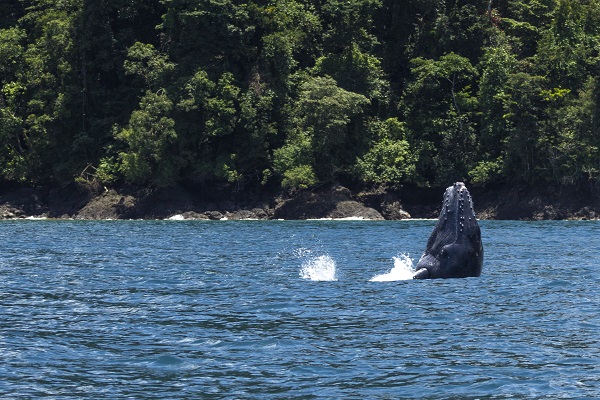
{"x":295,"y":160}
{"x":108,"y":170}
{"x":211,"y":34}
{"x":301,"y":176}
{"x":149,"y":136}
{"x":143,"y":60}
{"x":571,"y":122}
{"x":349,"y":22}
{"x":390,"y":158}
{"x":294,"y":157}
{"x":423,"y":91}
{"x":497,"y":65}
{"x":330,"y":115}
{"x":11,"y":52}
{"x":223,"y":107}
{"x":439,"y":109}
{"x":567,"y":51}
{"x":354,"y":71}
{"x":523,"y":113}
{"x":526,"y":21}
{"x":486,"y":171}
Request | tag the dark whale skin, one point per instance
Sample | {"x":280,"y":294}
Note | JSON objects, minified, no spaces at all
{"x":454,"y":248}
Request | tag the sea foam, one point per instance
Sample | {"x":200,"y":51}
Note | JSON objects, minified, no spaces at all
{"x":403,"y":270}
{"x":320,"y":268}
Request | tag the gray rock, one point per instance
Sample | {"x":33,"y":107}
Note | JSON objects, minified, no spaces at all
{"x":333,"y":202}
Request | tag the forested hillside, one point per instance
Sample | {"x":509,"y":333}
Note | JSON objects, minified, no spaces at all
{"x":298,"y":93}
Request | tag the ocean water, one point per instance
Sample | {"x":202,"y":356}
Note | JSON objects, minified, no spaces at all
{"x":294,"y":310}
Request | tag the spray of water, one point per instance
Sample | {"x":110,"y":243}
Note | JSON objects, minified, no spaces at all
{"x":320,"y":268}
{"x":403,"y":270}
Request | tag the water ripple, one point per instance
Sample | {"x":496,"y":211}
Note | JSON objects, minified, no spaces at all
{"x":182,"y":309}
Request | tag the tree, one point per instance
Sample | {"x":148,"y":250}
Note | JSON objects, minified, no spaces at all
{"x":12,"y":54}
{"x":567,"y":54}
{"x":390,"y":159}
{"x":354,"y":71}
{"x":497,"y":65}
{"x":42,"y":91}
{"x":348,"y":23}
{"x":143,"y":60}
{"x":295,"y":161}
{"x":524,"y":115}
{"x":214,"y":35}
{"x":104,"y":95}
{"x":231,"y":91}
{"x":524,"y":21}
{"x":439,"y":109}
{"x":569,"y":141}
{"x":328,"y":131}
{"x":151,"y":156}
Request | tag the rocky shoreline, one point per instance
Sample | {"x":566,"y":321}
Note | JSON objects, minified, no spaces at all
{"x":87,"y":201}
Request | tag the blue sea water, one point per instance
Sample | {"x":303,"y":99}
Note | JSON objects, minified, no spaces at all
{"x":294,"y":310}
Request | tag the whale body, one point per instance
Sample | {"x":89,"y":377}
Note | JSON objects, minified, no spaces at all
{"x":454,"y":249}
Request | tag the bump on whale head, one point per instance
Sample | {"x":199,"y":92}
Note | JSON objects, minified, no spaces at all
{"x":454,"y":249}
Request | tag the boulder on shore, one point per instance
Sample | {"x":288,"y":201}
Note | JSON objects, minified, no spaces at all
{"x":333,"y":202}
{"x":80,"y":200}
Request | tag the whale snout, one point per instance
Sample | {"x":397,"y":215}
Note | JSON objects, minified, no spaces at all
{"x":454,"y":248}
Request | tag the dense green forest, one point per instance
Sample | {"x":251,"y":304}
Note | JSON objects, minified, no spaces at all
{"x":298,"y":93}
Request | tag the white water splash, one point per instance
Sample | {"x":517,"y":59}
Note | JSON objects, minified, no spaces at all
{"x":403,"y":270}
{"x":321,"y":268}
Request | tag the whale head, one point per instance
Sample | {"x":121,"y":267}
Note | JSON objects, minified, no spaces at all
{"x":454,"y":249}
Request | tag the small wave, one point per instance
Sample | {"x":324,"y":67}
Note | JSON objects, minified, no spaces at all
{"x":321,"y":268}
{"x":403,"y":270}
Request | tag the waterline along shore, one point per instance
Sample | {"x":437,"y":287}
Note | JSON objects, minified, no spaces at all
{"x":95,"y":202}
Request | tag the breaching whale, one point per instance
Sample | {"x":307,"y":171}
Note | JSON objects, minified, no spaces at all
{"x":454,"y":249}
